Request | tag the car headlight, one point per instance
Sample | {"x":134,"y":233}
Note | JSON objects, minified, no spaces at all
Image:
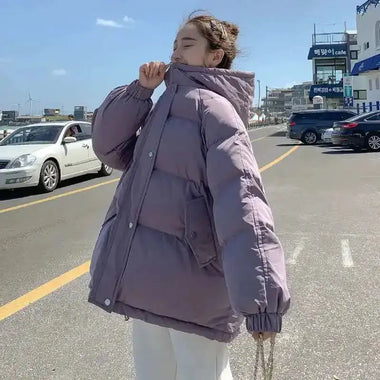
{"x":23,"y":161}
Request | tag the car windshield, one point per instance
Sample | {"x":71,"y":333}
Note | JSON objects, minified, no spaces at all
{"x":37,"y":134}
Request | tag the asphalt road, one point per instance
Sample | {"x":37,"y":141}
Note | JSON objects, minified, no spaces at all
{"x":326,"y":203}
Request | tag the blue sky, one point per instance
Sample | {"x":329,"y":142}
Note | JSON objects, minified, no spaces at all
{"x":68,"y":53}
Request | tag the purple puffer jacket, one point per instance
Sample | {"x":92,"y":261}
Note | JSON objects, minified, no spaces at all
{"x":188,"y":241}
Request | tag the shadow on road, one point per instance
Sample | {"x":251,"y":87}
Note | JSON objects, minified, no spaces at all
{"x":345,"y":151}
{"x":334,"y":149}
{"x":33,"y":191}
{"x":278,"y":134}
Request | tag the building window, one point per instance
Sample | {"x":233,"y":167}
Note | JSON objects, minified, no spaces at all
{"x":377,"y":83}
{"x":360,"y":94}
{"x":377,"y":34}
{"x":329,"y":71}
{"x":366,"y":45}
{"x":370,"y":84}
{"x":354,"y":54}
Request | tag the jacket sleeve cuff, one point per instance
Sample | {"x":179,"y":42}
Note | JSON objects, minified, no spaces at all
{"x":139,"y":92}
{"x":264,"y":322}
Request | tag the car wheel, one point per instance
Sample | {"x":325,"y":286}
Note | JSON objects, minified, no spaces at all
{"x":49,"y":176}
{"x":373,"y":142}
{"x":105,"y":170}
{"x":309,"y":138}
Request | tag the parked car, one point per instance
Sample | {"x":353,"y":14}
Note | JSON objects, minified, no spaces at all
{"x":326,"y":135}
{"x":362,"y":131}
{"x":44,"y":154}
{"x":309,"y":125}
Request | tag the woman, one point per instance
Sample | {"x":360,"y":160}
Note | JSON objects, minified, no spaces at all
{"x":188,"y":248}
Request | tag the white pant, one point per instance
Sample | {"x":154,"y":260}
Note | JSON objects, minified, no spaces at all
{"x":165,"y":354}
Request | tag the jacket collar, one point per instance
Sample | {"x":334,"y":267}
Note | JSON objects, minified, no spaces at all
{"x":236,"y":86}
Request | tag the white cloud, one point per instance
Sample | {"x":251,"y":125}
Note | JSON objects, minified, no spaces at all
{"x":59,"y":72}
{"x":128,"y":20}
{"x":5,"y":60}
{"x":109,"y":23}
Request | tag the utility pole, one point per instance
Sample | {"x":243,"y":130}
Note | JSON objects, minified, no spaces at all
{"x":258,"y":104}
{"x":266,"y":100}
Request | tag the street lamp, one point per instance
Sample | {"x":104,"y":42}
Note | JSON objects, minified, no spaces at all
{"x":258,"y":104}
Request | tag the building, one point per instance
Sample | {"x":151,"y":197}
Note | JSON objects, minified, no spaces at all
{"x":52,"y":111}
{"x":28,"y":119}
{"x":90,"y":115}
{"x":333,"y":55}
{"x":278,"y":102}
{"x":301,"y":97}
{"x":283,"y":101}
{"x":8,"y":117}
{"x":288,"y":101}
{"x":80,"y":113}
{"x":366,"y":75}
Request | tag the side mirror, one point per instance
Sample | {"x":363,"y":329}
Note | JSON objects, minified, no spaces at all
{"x":69,"y":139}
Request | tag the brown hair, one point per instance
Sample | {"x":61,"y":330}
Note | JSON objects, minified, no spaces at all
{"x":219,"y":34}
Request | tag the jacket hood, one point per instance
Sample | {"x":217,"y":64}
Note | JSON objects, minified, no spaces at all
{"x":236,"y":86}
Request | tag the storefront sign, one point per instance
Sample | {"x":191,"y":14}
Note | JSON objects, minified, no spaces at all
{"x":328,"y":51}
{"x":372,"y":63}
{"x":327,"y":90}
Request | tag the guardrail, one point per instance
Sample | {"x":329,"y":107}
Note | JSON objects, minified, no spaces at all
{"x":367,"y":107}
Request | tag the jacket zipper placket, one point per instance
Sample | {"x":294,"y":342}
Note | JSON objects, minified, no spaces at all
{"x":131,"y":173}
{"x":128,"y":246}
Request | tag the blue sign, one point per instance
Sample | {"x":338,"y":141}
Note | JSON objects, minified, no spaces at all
{"x":327,"y":90}
{"x":328,"y":51}
{"x":348,"y":102}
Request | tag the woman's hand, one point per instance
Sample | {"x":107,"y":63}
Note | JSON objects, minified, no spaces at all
{"x":152,"y":74}
{"x":266,"y":335}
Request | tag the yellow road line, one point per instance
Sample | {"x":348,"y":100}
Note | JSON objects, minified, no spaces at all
{"x":277,"y":160}
{"x":49,"y":287}
{"x":57,"y":196}
{"x":42,"y":291}
{"x":260,"y":138}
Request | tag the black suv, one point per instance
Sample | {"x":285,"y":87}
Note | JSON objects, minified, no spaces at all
{"x":308,"y":126}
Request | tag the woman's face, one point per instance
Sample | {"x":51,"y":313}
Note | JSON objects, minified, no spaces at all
{"x":191,"y":48}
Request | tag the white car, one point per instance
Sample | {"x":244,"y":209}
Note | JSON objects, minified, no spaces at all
{"x":44,"y":154}
{"x":326,"y":135}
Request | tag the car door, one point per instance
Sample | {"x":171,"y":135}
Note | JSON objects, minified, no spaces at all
{"x":371,"y":124}
{"x":75,"y":155}
{"x":93,"y":161}
{"x":319,"y":122}
{"x":328,"y":119}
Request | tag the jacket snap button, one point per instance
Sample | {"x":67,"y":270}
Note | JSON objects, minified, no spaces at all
{"x":107,"y":302}
{"x":150,"y":154}
{"x":130,"y":225}
{"x":193,"y":235}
